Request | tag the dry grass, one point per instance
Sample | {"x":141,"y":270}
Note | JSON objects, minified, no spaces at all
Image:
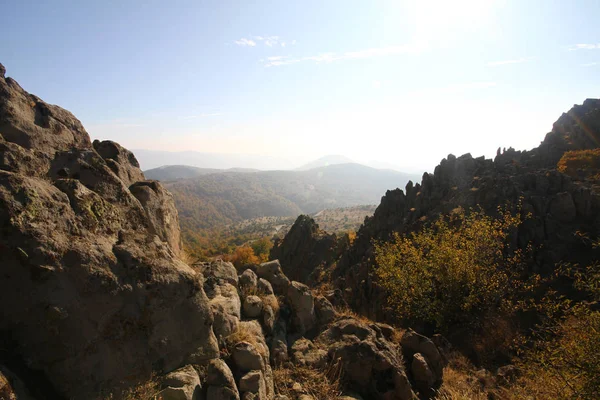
{"x":320,"y":384}
{"x":245,"y":333}
{"x":148,"y":390}
{"x":462,"y":382}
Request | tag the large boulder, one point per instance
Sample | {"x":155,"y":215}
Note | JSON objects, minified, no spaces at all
{"x":372,"y":365}
{"x":303,"y":306}
{"x":305,"y":249}
{"x":182,"y":384}
{"x":271,"y":272}
{"x":220,"y":381}
{"x":93,"y":295}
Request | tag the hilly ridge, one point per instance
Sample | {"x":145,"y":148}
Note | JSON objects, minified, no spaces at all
{"x":211,"y":199}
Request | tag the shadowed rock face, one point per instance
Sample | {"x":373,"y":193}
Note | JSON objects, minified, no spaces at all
{"x":92,"y":291}
{"x":304,"y":249}
{"x":558,"y":204}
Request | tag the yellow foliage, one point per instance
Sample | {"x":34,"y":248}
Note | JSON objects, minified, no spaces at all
{"x":447,"y":272}
{"x":588,"y":161}
{"x":243,"y":255}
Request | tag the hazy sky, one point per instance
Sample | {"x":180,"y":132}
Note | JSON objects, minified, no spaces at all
{"x":402,"y":82}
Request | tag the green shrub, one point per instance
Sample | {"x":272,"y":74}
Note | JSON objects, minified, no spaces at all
{"x":452,"y":272}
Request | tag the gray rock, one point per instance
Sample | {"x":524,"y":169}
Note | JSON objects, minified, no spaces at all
{"x":324,"y":310}
{"x":422,"y":374}
{"x":247,"y":357}
{"x":254,"y":382}
{"x":271,"y":271}
{"x":302,"y":302}
{"x":413,"y":343}
{"x":248,"y":279}
{"x":253,"y":307}
{"x":264,"y":286}
{"x":183,"y":384}
{"x":305,"y":353}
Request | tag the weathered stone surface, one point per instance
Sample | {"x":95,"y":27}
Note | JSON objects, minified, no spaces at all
{"x":305,"y":353}
{"x":421,"y":373}
{"x":304,"y":249}
{"x":248,"y":279}
{"x":372,"y":365}
{"x":246,"y":357}
{"x":324,"y":310}
{"x":301,"y":299}
{"x":183,"y":384}
{"x":271,"y":271}
{"x":92,"y":290}
{"x":253,"y":307}
{"x":264,"y":286}
{"x":413,"y":343}
{"x":254,"y":382}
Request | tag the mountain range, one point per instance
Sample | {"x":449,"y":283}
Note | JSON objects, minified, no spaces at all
{"x":207,"y":198}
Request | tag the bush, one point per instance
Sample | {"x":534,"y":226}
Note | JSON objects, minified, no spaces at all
{"x":242,"y":256}
{"x":452,"y":272}
{"x":564,"y":361}
{"x":584,"y":163}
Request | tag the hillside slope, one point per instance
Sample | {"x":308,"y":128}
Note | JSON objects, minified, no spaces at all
{"x":215,"y":199}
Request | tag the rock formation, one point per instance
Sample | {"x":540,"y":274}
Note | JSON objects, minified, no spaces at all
{"x":305,"y":249}
{"x":92,"y":293}
{"x":557,"y":205}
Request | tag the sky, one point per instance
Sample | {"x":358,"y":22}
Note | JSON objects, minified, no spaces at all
{"x":400,"y":83}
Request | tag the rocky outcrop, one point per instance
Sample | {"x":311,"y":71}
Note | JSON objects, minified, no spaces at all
{"x":556,"y":205}
{"x":92,"y":293}
{"x":305,"y":249}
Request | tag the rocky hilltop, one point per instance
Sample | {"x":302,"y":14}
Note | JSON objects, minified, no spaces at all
{"x":93,"y":293}
{"x":95,"y":299}
{"x":555,"y":205}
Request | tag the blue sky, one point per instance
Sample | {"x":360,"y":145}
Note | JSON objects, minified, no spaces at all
{"x":399,"y":82}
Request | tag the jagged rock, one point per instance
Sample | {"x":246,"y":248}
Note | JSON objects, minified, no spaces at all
{"x":305,"y":353}
{"x":120,"y":160}
{"x":253,"y":307}
{"x":221,"y":385}
{"x":264,"y":286}
{"x":225,"y":305}
{"x":279,"y":347}
{"x":160,"y":211}
{"x":372,"y":365}
{"x":268,"y":318}
{"x":302,"y":302}
{"x":246,"y":357}
{"x":558,"y":205}
{"x":421,"y":373}
{"x":304,"y":249}
{"x":254,"y":383}
{"x":220,"y":271}
{"x":182,"y":384}
{"x":248,"y":279}
{"x":92,"y":291}
{"x":271,"y":271}
{"x":324,"y":310}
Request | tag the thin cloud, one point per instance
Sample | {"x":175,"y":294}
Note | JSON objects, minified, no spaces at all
{"x":592,"y":64}
{"x":585,"y":46}
{"x":507,"y":62}
{"x":245,"y":42}
{"x":202,"y":115}
{"x":269,"y":41}
{"x":349,"y":55}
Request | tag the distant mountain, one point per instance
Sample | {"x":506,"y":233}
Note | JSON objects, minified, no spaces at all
{"x":176,"y":172}
{"x":325,"y":161}
{"x":213,"y":199}
{"x":150,"y":159}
